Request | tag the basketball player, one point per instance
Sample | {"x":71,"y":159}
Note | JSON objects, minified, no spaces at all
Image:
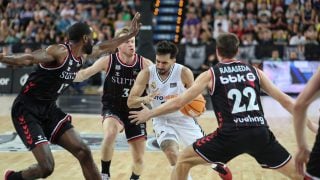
{"x":235,"y":93}
{"x":303,"y":155}
{"x":35,"y":115}
{"x":166,"y":79}
{"x":121,"y":70}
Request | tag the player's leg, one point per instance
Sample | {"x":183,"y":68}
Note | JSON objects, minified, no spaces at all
{"x":167,"y":139}
{"x":43,"y":168}
{"x":186,"y":160}
{"x":289,"y":170}
{"x":189,"y":134}
{"x":313,"y":165}
{"x":171,"y":149}
{"x":111,"y":128}
{"x":71,"y":141}
{"x":136,"y":136}
{"x":32,"y":135}
{"x":270,"y":154}
{"x":137,"y":148}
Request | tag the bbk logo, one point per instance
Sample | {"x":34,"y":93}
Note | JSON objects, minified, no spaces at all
{"x":237,"y":78}
{"x":4,"y":81}
{"x":23,"y":79}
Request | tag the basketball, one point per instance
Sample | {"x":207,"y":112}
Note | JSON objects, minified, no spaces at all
{"x":195,"y":108}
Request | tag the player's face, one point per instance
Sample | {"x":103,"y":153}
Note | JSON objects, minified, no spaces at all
{"x":164,"y":63}
{"x":128,"y":47}
{"x":88,"y":43}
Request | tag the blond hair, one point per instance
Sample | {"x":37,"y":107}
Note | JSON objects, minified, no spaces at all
{"x":123,"y":31}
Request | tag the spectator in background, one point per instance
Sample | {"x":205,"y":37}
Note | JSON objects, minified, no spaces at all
{"x":264,"y":36}
{"x":293,"y":56}
{"x":250,"y":7}
{"x":191,"y":25}
{"x":249,"y":22}
{"x":308,"y":14}
{"x":297,"y":39}
{"x":275,"y":56}
{"x":280,"y":37}
{"x":296,"y":25}
{"x":292,"y":9}
{"x":248,"y":40}
{"x":278,"y":20}
{"x":311,"y":36}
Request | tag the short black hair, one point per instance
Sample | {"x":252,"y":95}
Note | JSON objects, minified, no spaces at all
{"x":166,"y":47}
{"x":227,"y":45}
{"x":77,"y":31}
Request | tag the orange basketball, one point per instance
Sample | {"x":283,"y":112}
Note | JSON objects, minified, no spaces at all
{"x":195,"y":108}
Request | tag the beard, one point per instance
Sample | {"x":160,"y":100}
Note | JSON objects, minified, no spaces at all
{"x":161,"y":71}
{"x":87,"y":48}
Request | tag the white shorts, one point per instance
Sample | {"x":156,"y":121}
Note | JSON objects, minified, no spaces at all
{"x":183,"y":130}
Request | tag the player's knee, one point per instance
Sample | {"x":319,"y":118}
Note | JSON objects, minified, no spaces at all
{"x":46,"y":168}
{"x":111,"y":134}
{"x":83,"y":153}
{"x":172,"y":155}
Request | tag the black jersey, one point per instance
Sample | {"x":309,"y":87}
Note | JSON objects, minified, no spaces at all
{"x":235,"y":95}
{"x":120,"y":78}
{"x":48,"y":82}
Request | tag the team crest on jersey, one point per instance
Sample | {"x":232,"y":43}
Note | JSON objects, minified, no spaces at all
{"x":153,"y":85}
{"x":118,"y":67}
{"x":117,"y":73}
{"x":172,"y":85}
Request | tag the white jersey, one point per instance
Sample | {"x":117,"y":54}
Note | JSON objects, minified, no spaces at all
{"x":175,"y":126}
{"x":168,"y":88}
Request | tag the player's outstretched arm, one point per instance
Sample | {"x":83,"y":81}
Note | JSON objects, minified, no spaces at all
{"x":101,"y":64}
{"x":52,"y":53}
{"x":140,"y":84}
{"x":304,"y":99}
{"x":173,"y":104}
{"x":111,"y":45}
{"x":286,"y":101}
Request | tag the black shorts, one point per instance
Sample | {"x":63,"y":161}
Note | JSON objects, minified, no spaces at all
{"x":132,"y":130}
{"x":38,"y":122}
{"x":221,"y":147}
{"x":313,"y":166}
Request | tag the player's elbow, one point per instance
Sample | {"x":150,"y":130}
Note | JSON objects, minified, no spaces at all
{"x":130,"y":102}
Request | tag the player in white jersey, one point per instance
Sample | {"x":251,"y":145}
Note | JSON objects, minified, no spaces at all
{"x":165,"y":80}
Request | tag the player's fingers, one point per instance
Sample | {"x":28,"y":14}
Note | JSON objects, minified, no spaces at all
{"x":133,"y":112}
{"x":133,"y":121}
{"x":143,"y":106}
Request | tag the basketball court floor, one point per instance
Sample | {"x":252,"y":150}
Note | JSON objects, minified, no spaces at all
{"x":13,"y":155}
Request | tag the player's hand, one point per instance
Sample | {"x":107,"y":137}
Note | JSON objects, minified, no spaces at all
{"x":150,"y":97}
{"x":302,"y":157}
{"x":139,"y":117}
{"x":135,"y":24}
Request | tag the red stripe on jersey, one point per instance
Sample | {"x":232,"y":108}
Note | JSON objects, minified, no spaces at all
{"x":109,"y":65}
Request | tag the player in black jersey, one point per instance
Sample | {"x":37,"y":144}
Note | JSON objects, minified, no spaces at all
{"x":121,"y":70}
{"x":235,"y":92}
{"x":303,"y":155}
{"x":35,"y":115}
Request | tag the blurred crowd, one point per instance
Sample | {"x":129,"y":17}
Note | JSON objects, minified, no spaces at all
{"x":278,"y":22}
{"x":45,"y":22}
{"x":27,"y":24}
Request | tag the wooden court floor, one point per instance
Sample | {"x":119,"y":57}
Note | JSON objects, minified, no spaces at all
{"x":156,"y":166}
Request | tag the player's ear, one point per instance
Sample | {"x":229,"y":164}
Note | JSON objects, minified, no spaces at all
{"x":85,"y":38}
